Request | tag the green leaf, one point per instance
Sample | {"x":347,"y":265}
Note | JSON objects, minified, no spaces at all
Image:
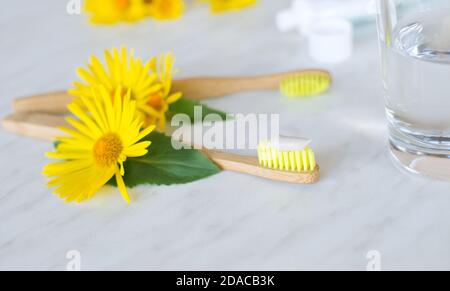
{"x":186,"y":106}
{"x":164,"y":165}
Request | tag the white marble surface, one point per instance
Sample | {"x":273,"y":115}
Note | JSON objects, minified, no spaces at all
{"x":228,"y":221}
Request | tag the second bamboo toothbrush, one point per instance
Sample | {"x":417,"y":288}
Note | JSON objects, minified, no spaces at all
{"x":285,"y":163}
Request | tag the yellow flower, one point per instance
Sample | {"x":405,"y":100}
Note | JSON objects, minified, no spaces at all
{"x":159,"y":101}
{"x":96,"y":148}
{"x":149,"y":87}
{"x":218,"y":6}
{"x":165,"y":9}
{"x":112,"y":11}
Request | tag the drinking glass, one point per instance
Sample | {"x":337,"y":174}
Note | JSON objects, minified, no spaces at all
{"x":414,"y":40}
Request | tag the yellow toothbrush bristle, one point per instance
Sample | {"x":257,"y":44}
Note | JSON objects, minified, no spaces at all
{"x":295,"y":161}
{"x":305,"y":84}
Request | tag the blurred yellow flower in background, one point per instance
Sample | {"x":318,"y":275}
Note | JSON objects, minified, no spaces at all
{"x":95,"y":149}
{"x":165,"y":9}
{"x":218,"y":6}
{"x":149,"y":84}
{"x":112,"y":11}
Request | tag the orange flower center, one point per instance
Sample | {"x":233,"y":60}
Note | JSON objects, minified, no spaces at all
{"x":107,"y":150}
{"x":122,"y":4}
{"x":156,"y":101}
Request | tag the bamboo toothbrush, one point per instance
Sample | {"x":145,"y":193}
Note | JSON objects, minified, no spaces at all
{"x":292,"y":84}
{"x":287,"y":161}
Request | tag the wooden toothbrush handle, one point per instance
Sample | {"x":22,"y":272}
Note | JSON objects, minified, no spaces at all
{"x":45,"y":127}
{"x":250,"y":165}
{"x":195,"y":89}
{"x":192,"y":88}
{"x":55,"y":102}
{"x":37,"y":125}
{"x":207,"y":87}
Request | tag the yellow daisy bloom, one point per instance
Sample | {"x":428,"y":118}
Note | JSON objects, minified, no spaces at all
{"x":160,"y":100}
{"x":218,"y":6}
{"x":150,"y":86}
{"x":96,"y":148}
{"x":112,"y":11}
{"x":165,"y":9}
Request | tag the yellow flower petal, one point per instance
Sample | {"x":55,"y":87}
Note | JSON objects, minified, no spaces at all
{"x":121,"y":186}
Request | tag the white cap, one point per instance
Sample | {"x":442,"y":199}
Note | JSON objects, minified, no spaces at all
{"x":286,"y":20}
{"x":331,"y":40}
{"x":306,"y":15}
